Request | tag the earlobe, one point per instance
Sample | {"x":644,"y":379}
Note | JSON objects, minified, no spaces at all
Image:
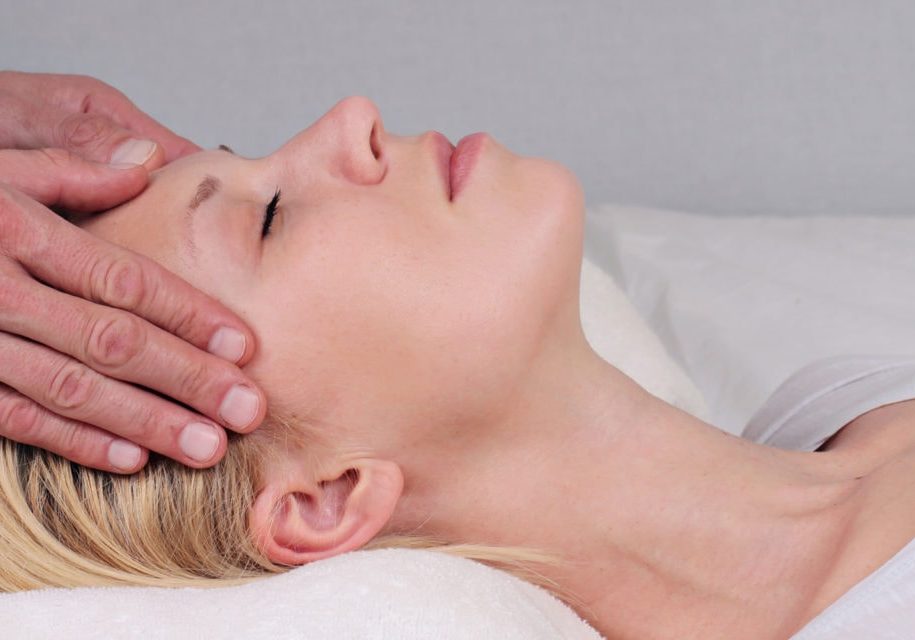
{"x":295,"y":520}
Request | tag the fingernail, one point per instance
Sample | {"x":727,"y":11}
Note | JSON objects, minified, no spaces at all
{"x":239,"y":407}
{"x":133,"y":151}
{"x":199,"y":441}
{"x":228,"y":344}
{"x":123,"y":455}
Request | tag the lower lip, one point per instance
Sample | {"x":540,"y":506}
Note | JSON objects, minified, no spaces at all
{"x":463,"y":159}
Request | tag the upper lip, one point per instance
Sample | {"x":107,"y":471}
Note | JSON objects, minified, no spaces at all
{"x":443,"y":151}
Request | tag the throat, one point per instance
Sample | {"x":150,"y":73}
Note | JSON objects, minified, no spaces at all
{"x":725,"y":537}
{"x":721,"y":570}
{"x":668,"y":526}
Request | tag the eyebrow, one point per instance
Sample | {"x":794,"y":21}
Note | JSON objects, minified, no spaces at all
{"x":207,"y":188}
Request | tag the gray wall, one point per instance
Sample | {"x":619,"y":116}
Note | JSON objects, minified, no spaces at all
{"x":786,"y":107}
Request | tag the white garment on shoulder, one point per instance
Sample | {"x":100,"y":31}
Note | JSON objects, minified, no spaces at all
{"x":821,"y":398}
{"x":804,"y":412}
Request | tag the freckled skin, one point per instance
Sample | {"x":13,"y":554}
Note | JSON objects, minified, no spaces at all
{"x":378,"y":305}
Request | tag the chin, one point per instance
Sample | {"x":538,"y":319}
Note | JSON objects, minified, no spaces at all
{"x":558,"y":200}
{"x":549,"y":237}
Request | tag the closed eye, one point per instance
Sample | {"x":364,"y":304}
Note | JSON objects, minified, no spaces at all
{"x":270,"y":213}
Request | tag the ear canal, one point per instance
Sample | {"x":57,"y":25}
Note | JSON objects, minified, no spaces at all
{"x":294,"y":521}
{"x":329,"y":512}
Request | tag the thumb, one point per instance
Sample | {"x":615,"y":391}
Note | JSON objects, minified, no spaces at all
{"x":55,"y":177}
{"x":96,"y":137}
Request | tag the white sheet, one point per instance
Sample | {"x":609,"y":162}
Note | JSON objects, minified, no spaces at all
{"x":743,"y":302}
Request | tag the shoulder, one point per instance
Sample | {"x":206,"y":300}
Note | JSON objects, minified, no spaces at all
{"x":819,"y":400}
{"x":879,"y":434}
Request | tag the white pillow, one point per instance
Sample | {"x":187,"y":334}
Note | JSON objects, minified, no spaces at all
{"x":619,"y":334}
{"x":743,"y":302}
{"x":386,"y":594}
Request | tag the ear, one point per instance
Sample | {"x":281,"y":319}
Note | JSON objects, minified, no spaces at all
{"x":296,"y":519}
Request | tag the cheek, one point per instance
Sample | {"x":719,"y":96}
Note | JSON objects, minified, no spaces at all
{"x":425,"y":318}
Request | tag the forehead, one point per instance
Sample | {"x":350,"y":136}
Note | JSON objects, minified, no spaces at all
{"x":154,"y":223}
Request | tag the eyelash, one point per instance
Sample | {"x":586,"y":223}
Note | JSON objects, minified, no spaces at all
{"x":270,"y":213}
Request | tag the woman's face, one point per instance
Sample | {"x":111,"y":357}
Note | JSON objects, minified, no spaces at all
{"x":380,"y":307}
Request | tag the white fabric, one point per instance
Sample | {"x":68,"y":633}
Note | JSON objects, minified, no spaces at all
{"x":743,"y":302}
{"x":402,"y":594}
{"x":388,"y":594}
{"x":817,"y":401}
{"x":807,"y":409}
{"x":619,"y":334}
{"x":880,"y":607}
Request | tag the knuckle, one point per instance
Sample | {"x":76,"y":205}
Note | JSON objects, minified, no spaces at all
{"x":88,"y":83}
{"x":82,"y":82}
{"x":118,"y":282}
{"x":71,"y":387}
{"x":145,"y":424}
{"x":185,"y":320}
{"x":194,"y":380}
{"x":73,"y":441}
{"x":114,"y":340}
{"x":57,"y":157}
{"x":20,"y":418}
{"x":81,"y":130}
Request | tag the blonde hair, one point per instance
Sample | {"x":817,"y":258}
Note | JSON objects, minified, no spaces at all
{"x":64,"y":525}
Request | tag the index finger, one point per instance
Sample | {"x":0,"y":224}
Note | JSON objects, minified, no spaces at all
{"x":73,"y":260}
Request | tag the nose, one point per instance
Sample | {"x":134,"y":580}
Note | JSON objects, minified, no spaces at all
{"x":350,"y":139}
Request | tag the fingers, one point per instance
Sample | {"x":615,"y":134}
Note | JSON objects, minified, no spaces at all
{"x":120,"y":345}
{"x":28,"y":422}
{"x":93,"y":136}
{"x":85,"y":116}
{"x":78,"y":359}
{"x":75,"y":392}
{"x":96,"y":137}
{"x":73,"y":260}
{"x":56,"y":177}
{"x":115,"y":105}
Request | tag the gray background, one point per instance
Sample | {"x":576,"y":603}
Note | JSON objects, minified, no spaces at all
{"x":783,"y":107}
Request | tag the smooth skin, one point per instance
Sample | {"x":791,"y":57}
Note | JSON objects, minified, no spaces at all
{"x":436,"y":347}
{"x":86,"y":322}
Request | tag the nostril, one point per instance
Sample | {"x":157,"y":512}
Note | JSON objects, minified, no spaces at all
{"x":373,"y":141}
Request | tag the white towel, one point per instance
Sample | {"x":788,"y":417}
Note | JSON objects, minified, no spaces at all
{"x":386,"y":594}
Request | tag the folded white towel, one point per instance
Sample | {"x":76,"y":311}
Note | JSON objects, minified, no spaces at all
{"x":386,"y":594}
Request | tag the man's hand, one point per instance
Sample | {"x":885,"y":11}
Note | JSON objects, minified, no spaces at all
{"x":74,"y":337}
{"x":98,"y":343}
{"x":85,"y":116}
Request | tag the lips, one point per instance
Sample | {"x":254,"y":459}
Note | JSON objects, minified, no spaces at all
{"x":464,"y":158}
{"x":457,"y":162}
{"x":444,"y":150}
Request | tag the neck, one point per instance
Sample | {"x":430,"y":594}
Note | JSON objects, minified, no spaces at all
{"x":669,"y":526}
